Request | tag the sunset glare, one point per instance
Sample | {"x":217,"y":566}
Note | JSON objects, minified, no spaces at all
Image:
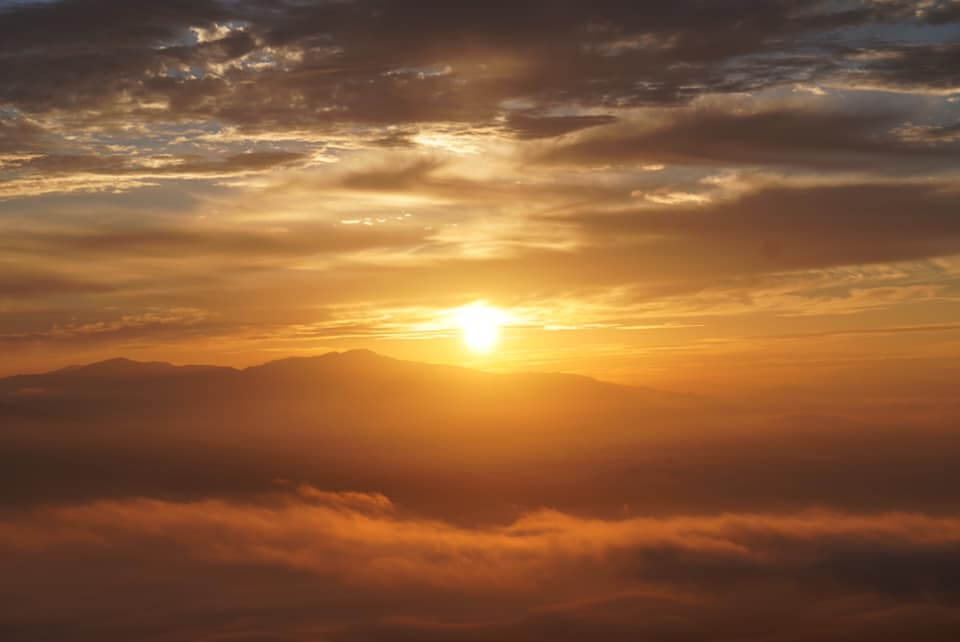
{"x":481,"y":326}
{"x":480,"y":321}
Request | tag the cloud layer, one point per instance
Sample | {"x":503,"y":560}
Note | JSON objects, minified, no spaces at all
{"x":315,"y":565}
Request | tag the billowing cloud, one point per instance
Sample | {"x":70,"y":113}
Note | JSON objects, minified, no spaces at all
{"x":828,"y":571}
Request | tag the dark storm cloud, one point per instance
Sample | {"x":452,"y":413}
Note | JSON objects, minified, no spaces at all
{"x":230,"y":47}
{"x":94,"y":24}
{"x":424,"y":30}
{"x":79,"y":54}
{"x":387,"y":62}
{"x":787,"y":228}
{"x":532,"y":126}
{"x":911,"y":67}
{"x":798,"y":137}
{"x":938,"y":12}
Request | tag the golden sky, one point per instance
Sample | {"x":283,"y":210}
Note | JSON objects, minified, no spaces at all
{"x":647,"y":194}
{"x":748,"y":210}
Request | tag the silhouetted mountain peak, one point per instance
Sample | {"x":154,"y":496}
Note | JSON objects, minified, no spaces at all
{"x":119,"y":366}
{"x":123,"y":367}
{"x":350,"y":373}
{"x":364,"y":355}
{"x":352,"y":363}
{"x":349,"y":356}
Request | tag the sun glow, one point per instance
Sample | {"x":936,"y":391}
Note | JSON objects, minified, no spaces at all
{"x":480,"y":324}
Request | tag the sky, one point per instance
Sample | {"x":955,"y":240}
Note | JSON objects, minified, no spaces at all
{"x":653,"y":194}
{"x":456,"y":321}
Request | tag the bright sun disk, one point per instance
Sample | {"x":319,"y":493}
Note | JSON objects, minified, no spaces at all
{"x":480,"y":324}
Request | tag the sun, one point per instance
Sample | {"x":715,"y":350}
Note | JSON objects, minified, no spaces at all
{"x":480,"y":324}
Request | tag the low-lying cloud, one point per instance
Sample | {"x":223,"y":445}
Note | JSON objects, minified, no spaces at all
{"x":407,"y":576}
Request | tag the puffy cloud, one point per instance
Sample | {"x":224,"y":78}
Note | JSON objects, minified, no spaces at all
{"x":813,"y":572}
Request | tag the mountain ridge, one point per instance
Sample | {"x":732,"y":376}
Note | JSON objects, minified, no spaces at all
{"x":347,"y":360}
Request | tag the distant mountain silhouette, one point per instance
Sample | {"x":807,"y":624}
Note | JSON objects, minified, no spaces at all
{"x":351,"y":373}
{"x":360,"y":361}
{"x":121,"y":367}
{"x":462,"y":443}
{"x":343,"y":416}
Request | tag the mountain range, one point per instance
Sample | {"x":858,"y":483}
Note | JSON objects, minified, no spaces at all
{"x":425,"y":434}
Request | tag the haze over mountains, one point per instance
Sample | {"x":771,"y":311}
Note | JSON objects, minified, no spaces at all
{"x":359,"y":421}
{"x":342,"y":418}
{"x":303,"y":495}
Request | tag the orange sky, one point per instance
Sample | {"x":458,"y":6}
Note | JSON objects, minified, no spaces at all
{"x":647,"y":199}
{"x":747,"y":209}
